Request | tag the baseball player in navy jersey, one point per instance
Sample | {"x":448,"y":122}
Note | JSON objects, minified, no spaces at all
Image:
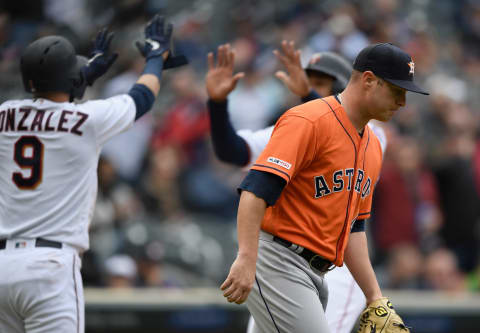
{"x":49,"y":153}
{"x":327,"y":73}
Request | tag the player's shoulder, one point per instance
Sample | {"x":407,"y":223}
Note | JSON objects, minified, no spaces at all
{"x":316,"y":111}
{"x":122,"y":98}
{"x":101,"y":104}
{"x":15,"y":103}
{"x":262,"y":135}
{"x":34,"y":103}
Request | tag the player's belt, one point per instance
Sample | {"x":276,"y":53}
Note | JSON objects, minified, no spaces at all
{"x":39,"y":242}
{"x":319,"y":263}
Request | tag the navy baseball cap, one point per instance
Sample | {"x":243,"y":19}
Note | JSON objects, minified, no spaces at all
{"x":390,"y":63}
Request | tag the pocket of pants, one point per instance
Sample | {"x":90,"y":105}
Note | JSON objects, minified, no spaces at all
{"x":48,"y":266}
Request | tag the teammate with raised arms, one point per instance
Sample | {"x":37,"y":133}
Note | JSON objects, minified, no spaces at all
{"x":49,"y":153}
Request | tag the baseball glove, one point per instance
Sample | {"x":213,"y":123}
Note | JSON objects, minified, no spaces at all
{"x":380,"y":317}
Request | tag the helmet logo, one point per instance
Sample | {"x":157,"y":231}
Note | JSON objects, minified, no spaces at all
{"x":411,"y":64}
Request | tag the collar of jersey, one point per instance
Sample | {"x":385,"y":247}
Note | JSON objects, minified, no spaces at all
{"x":346,"y":122}
{"x":41,"y":103}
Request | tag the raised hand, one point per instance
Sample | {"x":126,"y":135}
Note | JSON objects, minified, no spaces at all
{"x":295,"y":78}
{"x":99,"y":61}
{"x":157,"y":39}
{"x":220,"y":80}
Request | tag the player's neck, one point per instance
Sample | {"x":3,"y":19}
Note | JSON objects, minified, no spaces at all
{"x":353,"y":109}
{"x":54,"y":96}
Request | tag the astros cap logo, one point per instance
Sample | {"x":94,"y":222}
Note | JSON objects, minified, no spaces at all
{"x":411,"y":64}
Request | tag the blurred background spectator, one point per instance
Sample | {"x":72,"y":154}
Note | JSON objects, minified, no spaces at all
{"x":165,"y":213}
{"x":442,"y":272}
{"x":120,"y":271}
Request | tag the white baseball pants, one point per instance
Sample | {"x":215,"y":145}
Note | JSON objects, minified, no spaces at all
{"x":40,"y":289}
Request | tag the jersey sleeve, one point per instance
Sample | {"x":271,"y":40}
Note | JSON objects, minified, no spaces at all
{"x":290,"y":148}
{"x":111,"y":116}
{"x":366,"y":207}
{"x":256,"y":141}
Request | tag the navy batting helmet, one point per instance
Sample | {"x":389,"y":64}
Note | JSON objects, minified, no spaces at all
{"x":333,"y":65}
{"x":51,"y":64}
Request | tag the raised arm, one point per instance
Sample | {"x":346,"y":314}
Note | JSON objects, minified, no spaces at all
{"x":100,"y":58}
{"x":294,"y":78}
{"x":155,"y":48}
{"x":220,"y":81}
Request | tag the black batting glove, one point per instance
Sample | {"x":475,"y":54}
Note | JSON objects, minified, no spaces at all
{"x":157,"y":38}
{"x":99,"y":61}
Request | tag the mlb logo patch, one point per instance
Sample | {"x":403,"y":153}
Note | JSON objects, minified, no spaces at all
{"x":279,"y":162}
{"x":20,"y":245}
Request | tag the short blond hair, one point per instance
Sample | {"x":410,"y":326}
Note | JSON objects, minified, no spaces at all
{"x":355,"y":75}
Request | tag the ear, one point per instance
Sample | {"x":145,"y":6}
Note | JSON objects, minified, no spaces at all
{"x":369,"y":79}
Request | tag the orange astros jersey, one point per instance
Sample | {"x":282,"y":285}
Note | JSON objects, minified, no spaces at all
{"x":330,"y":171}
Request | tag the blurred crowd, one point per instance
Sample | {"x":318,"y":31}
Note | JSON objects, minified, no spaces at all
{"x":165,"y":212}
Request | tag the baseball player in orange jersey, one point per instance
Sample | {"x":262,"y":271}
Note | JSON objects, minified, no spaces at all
{"x":304,"y":202}
{"x":326,"y":74}
{"x":49,"y":153}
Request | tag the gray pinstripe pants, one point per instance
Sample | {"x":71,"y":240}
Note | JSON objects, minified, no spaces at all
{"x":288,"y":295}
